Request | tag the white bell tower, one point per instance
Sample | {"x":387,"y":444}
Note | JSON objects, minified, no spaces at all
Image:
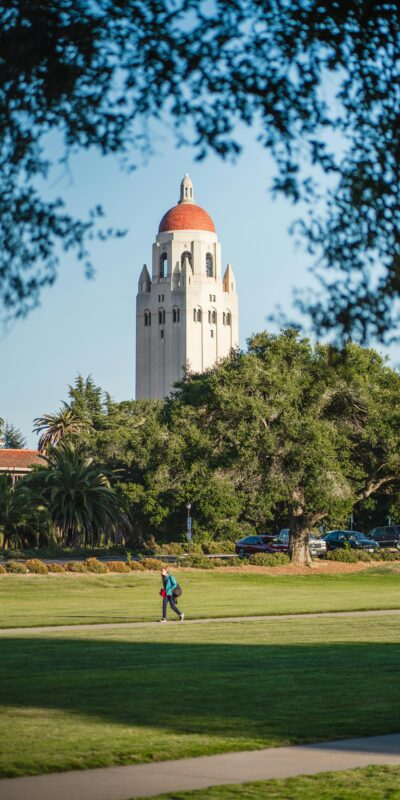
{"x":186,"y":310}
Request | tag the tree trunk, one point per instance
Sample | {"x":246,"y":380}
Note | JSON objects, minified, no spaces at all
{"x":298,"y":545}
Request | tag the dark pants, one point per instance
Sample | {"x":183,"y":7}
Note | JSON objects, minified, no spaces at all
{"x":169,"y":599}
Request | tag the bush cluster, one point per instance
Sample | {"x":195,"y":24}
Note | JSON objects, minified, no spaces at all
{"x":135,"y":566}
{"x":96,"y":566}
{"x":385,"y":555}
{"x":117,"y":566}
{"x":152,"y":564}
{"x":269,"y":559}
{"x":75,"y":566}
{"x":16,"y":566}
{"x":199,"y":562}
{"x":55,"y":567}
{"x":36,"y":566}
{"x":352,"y":556}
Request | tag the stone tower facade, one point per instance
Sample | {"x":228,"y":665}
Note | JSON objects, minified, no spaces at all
{"x":186,"y":310}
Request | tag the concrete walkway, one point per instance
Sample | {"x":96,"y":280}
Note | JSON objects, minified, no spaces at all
{"x":147,"y":780}
{"x":201,"y":621}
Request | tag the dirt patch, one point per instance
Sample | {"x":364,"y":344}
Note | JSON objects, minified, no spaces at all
{"x":319,"y":568}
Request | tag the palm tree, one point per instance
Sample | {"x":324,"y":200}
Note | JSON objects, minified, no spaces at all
{"x":79,"y":497}
{"x":57,"y":427}
{"x":23,"y":518}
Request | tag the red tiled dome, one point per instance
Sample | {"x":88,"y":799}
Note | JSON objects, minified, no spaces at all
{"x":186,"y":217}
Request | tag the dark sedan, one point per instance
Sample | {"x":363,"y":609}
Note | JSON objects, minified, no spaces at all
{"x":386,"y":536}
{"x":353,"y":539}
{"x":259,"y":544}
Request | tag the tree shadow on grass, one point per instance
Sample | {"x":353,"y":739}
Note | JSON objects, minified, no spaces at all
{"x":272,"y":693}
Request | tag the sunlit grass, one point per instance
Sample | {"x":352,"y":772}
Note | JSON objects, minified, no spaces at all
{"x":59,"y":600}
{"x":96,"y":698}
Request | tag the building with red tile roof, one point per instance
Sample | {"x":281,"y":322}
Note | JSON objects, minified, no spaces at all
{"x":19,"y":462}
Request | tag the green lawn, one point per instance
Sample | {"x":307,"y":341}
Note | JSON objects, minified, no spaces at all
{"x":370,"y":783}
{"x":96,"y":698}
{"x":59,"y":600}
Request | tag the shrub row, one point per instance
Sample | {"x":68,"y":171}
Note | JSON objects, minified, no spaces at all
{"x":352,"y":556}
{"x":196,"y":561}
{"x":37,"y":567}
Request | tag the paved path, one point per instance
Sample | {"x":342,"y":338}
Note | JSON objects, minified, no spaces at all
{"x":201,"y":621}
{"x":147,"y":780}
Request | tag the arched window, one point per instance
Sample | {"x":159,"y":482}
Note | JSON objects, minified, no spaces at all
{"x":186,"y":255}
{"x":199,"y":315}
{"x":176,"y":315}
{"x":209,"y":316}
{"x":214,"y":317}
{"x":147,"y":319}
{"x":228,"y":317}
{"x":163,"y":265}
{"x":209,"y":265}
{"x":223,"y":318}
{"x":161,"y":316}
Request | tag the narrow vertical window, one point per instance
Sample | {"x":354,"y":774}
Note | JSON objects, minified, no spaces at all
{"x":209,"y":266}
{"x":163,"y":265}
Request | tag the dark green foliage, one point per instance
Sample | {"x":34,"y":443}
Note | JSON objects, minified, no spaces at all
{"x":316,"y":79}
{"x":79,"y":497}
{"x":13,"y":438}
{"x":219,"y":547}
{"x":24,"y":521}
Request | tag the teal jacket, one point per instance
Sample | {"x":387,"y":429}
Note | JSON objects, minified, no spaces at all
{"x":169,"y":585}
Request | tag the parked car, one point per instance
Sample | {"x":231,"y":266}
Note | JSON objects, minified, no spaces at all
{"x":355,"y":539}
{"x":386,"y":536}
{"x":317,"y":546}
{"x":263,"y":543}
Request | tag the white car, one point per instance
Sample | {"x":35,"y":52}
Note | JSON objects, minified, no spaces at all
{"x":317,"y":546}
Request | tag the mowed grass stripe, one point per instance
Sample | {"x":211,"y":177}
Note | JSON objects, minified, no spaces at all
{"x":88,"y":699}
{"x":61,"y":600}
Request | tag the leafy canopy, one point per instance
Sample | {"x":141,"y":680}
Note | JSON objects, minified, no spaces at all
{"x":317,"y":80}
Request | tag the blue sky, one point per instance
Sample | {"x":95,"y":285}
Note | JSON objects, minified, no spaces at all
{"x":88,"y":326}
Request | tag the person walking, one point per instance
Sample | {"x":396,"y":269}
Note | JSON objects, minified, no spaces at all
{"x":167,"y":594}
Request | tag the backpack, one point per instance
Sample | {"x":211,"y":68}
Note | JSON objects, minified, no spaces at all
{"x":177,"y":591}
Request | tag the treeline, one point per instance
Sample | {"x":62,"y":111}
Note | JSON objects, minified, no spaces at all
{"x":283,"y":434}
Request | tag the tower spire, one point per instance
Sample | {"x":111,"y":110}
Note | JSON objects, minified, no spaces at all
{"x":187,"y":193}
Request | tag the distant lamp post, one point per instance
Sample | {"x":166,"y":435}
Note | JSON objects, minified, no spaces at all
{"x":351,"y":521}
{"x":188,"y":526}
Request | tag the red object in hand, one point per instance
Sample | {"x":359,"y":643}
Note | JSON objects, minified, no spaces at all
{"x":163,"y":593}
